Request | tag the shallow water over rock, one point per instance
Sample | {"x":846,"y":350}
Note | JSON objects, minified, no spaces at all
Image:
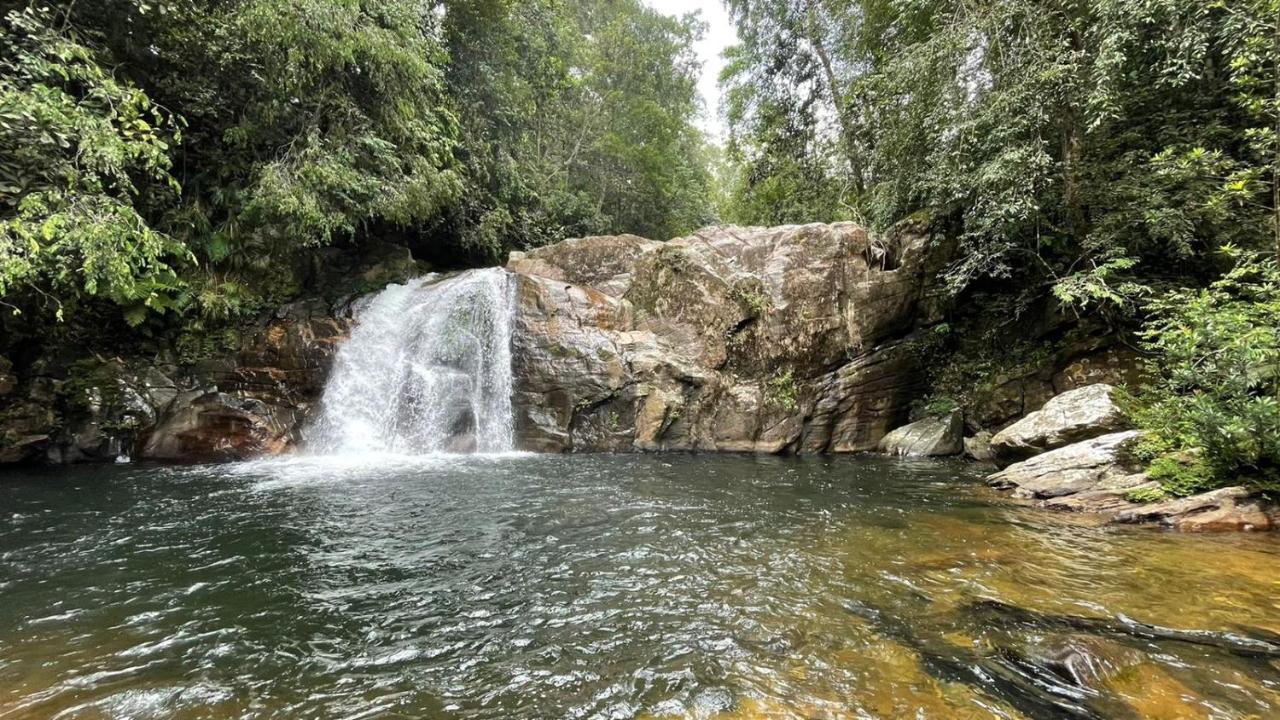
{"x":519,"y":586}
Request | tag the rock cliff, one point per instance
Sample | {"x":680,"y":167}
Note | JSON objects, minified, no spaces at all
{"x":782,"y":339}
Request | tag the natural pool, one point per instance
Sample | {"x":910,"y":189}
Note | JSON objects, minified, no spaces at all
{"x":523,"y":586}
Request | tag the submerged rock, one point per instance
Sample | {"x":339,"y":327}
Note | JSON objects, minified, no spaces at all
{"x":1073,"y":416}
{"x":935,"y":436}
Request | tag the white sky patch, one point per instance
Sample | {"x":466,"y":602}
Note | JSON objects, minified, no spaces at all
{"x":720,"y":35}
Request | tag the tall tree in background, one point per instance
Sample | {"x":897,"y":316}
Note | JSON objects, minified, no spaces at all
{"x":190,"y":156}
{"x":578,"y":117}
{"x":1080,"y":145}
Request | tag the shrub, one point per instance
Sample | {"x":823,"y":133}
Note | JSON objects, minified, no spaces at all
{"x":1216,"y":382}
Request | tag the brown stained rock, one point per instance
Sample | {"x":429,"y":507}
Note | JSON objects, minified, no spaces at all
{"x":217,"y":427}
{"x":861,"y":402}
{"x":603,"y":262}
{"x":1073,"y":416}
{"x":1230,"y":508}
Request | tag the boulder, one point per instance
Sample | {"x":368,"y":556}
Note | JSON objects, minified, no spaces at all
{"x":933,"y":436}
{"x":1073,"y":416}
{"x":1230,"y":508}
{"x":218,"y":427}
{"x":978,"y":447}
{"x":1084,"y":466}
{"x":1095,"y":476}
{"x":733,"y":339}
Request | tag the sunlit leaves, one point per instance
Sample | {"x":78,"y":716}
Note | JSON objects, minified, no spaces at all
{"x":1216,"y":375}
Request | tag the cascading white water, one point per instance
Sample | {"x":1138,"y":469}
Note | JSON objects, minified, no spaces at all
{"x":427,"y":369}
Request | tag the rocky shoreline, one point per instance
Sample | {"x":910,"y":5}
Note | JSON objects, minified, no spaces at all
{"x":796,"y":339}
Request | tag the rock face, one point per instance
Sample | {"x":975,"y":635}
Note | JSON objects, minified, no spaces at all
{"x":256,"y":404}
{"x":1073,"y":416}
{"x":217,"y":427}
{"x":737,"y":339}
{"x":246,"y":404}
{"x":935,"y":436}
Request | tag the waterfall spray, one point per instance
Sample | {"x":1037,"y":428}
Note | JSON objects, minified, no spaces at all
{"x":427,"y":369}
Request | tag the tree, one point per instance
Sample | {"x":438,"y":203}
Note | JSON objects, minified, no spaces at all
{"x":577,"y":118}
{"x":82,"y":151}
{"x":1087,"y":146}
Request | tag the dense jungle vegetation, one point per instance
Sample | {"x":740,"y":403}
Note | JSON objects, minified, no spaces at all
{"x":175,"y":164}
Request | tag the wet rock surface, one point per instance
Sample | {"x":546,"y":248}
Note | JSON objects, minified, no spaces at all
{"x":246,"y":403}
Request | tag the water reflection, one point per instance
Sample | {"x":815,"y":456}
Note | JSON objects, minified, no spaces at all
{"x":645,"y":586}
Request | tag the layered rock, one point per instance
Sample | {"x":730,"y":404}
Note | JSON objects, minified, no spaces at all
{"x":255,"y":404}
{"x":744,"y":339}
{"x":1092,"y":465}
{"x":1073,"y":416}
{"x":237,"y":406}
{"x":930,"y":437}
{"x":1230,"y":508}
{"x":1096,"y":476}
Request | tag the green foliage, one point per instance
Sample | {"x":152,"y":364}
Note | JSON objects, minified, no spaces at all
{"x":1182,"y":476}
{"x":1094,"y":149}
{"x":1217,"y":391}
{"x":577,"y":119}
{"x":752,"y":297}
{"x":1146,"y":495}
{"x":81,"y":149}
{"x":191,"y":157}
{"x":781,"y":392}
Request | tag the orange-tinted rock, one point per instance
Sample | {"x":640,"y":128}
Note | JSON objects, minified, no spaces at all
{"x":216,"y":427}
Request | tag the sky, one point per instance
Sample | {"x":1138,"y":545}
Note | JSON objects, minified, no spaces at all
{"x":720,"y":35}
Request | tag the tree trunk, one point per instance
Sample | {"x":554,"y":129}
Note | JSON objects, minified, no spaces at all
{"x":837,"y":97}
{"x":1275,"y":141}
{"x":1072,"y":155}
{"x":1072,"y":159}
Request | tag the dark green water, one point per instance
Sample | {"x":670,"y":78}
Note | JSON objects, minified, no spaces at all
{"x":610,"y":587}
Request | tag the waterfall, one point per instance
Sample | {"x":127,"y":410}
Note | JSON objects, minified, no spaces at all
{"x":427,"y":369}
